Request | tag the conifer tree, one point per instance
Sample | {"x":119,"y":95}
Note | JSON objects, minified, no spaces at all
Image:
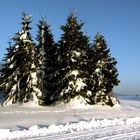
{"x":19,"y":76}
{"x":103,"y":73}
{"x":72,"y":61}
{"x":48,"y":59}
{"x":8,"y":72}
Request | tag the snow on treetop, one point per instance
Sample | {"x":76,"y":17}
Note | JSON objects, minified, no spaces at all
{"x":26,"y":17}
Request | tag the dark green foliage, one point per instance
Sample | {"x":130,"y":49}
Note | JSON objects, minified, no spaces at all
{"x":48,"y":61}
{"x":51,"y":72}
{"x":19,"y":79}
{"x":103,"y":72}
{"x":72,"y":60}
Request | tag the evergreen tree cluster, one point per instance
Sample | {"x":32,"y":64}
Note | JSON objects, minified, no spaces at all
{"x":48,"y":72}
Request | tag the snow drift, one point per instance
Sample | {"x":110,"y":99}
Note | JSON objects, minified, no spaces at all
{"x":36,"y":130}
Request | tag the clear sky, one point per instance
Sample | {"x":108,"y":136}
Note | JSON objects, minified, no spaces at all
{"x":117,"y":20}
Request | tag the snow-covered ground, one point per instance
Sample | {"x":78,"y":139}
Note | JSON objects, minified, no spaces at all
{"x":60,"y":122}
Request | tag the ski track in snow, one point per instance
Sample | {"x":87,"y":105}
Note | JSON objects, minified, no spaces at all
{"x":105,"y":133}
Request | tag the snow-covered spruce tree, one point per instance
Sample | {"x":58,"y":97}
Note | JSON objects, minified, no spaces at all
{"x":21,"y":83}
{"x":103,"y":73}
{"x":48,"y":59}
{"x":72,"y":61}
{"x":8,"y":71}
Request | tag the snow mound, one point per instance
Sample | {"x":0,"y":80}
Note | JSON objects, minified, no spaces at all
{"x":80,"y":103}
{"x":76,"y":103}
{"x":117,"y":105}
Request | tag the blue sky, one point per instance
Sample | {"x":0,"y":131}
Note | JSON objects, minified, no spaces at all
{"x":117,"y":20}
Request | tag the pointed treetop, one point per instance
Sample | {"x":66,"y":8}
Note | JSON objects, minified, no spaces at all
{"x":98,"y":35}
{"x":73,"y":12}
{"x":26,"y":17}
{"x":42,"y":23}
{"x":72,"y":23}
{"x":26,"y":21}
{"x":99,"y":41}
{"x":24,"y":35}
{"x":44,"y":35}
{"x":72,"y":15}
{"x":43,"y":19}
{"x":72,"y":18}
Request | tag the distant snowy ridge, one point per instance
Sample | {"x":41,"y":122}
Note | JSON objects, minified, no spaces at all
{"x":68,"y":128}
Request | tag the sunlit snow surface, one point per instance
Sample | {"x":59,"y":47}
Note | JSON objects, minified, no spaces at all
{"x":29,"y":121}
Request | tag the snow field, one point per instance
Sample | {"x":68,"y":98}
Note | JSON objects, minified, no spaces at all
{"x":69,"y":122}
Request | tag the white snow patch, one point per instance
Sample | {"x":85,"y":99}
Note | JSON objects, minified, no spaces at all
{"x":97,"y":70}
{"x":89,"y":93}
{"x":35,"y":99}
{"x":23,"y":35}
{"x":17,"y":46}
{"x":73,"y":60}
{"x":39,"y":93}
{"x":79,"y":84}
{"x":33,"y":66}
{"x":76,"y":53}
{"x":78,"y":103}
{"x":34,"y":128}
{"x":34,"y":78}
{"x":36,"y":94}
{"x":66,"y":91}
{"x":10,"y":59}
{"x":11,"y":66}
{"x":14,"y":88}
{"x":4,"y":133}
{"x":73,"y":72}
